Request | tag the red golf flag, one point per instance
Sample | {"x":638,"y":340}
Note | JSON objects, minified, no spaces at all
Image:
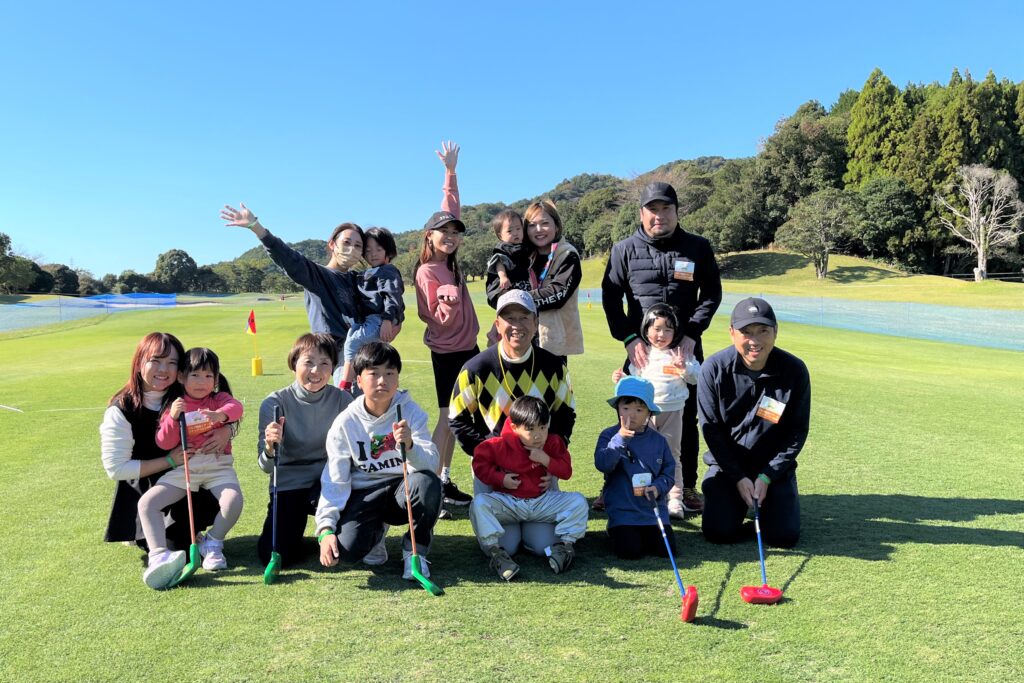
{"x":250,"y":327}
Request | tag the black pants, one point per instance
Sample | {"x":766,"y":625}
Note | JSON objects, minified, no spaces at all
{"x":689,"y":442}
{"x":367,"y":511}
{"x":294,"y":508}
{"x":725,"y":511}
{"x":633,"y":542}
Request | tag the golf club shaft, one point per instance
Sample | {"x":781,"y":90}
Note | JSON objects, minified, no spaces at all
{"x":273,"y":523}
{"x":405,"y":481}
{"x":668,"y":548}
{"x":760,"y":548}
{"x":188,"y":480}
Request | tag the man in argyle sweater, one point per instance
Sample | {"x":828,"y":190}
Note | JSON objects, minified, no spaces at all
{"x":489,"y":382}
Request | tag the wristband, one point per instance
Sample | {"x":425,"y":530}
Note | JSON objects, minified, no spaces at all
{"x":763,"y":477}
{"x":630,"y":338}
{"x":321,"y":537}
{"x":170,"y":461}
{"x":255,"y":220}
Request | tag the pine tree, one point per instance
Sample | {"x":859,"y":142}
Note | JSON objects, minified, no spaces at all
{"x":879,"y":121}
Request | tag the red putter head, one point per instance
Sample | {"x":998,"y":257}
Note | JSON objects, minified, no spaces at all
{"x":689,"y":611}
{"x":760,"y":595}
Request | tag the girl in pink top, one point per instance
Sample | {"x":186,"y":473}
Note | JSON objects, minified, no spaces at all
{"x":443,"y":303}
{"x":206,"y":404}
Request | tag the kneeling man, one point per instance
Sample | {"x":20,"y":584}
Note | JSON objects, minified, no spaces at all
{"x":754,"y":402}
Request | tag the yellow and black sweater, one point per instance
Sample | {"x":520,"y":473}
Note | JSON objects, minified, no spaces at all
{"x":488,"y":384}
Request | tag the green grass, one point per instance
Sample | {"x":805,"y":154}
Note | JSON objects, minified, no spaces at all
{"x":774,"y":272}
{"x":908,"y":568}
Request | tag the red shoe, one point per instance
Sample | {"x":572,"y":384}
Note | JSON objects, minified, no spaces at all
{"x":693,"y":501}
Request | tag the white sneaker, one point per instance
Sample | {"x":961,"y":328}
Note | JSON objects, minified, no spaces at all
{"x":164,"y":566}
{"x":378,"y":554}
{"x":407,"y":572}
{"x":212,"y":551}
{"x":675,"y":508}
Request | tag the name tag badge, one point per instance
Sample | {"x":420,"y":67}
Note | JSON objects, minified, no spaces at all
{"x":640,"y":482}
{"x":770,"y":409}
{"x":683,"y":269}
{"x":197,"y":423}
{"x":672,"y":371}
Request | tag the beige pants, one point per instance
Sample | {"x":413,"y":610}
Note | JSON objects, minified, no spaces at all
{"x":670,"y":425}
{"x":206,"y":470}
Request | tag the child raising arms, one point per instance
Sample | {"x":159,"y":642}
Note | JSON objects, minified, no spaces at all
{"x":207,"y":404}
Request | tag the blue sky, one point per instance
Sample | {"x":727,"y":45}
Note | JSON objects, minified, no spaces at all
{"x":127,"y":125}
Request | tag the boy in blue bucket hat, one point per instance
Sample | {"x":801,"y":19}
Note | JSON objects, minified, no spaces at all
{"x":639,"y":471}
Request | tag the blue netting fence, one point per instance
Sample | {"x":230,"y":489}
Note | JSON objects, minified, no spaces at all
{"x":995,"y":328}
{"x":60,"y":309}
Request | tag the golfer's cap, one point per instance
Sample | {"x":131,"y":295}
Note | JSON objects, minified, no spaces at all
{"x":659,"y":192}
{"x":635,"y":387}
{"x":439,"y":219}
{"x":516,"y":297}
{"x":752,"y":311}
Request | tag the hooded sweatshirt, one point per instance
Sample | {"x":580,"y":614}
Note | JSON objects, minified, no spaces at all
{"x":362,"y":453}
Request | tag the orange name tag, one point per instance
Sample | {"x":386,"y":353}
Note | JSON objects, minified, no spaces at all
{"x":683,"y":269}
{"x":672,"y":370}
{"x":770,"y":409}
{"x":197,"y":423}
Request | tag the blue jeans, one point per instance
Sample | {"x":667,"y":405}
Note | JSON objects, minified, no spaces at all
{"x":361,"y":333}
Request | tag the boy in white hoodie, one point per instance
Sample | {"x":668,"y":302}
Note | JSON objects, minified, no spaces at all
{"x":361,"y":488}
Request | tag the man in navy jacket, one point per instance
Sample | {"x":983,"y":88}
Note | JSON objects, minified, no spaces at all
{"x":755,"y":407}
{"x":662,"y":263}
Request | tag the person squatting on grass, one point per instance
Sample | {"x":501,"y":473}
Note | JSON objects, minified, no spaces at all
{"x":639,"y":472}
{"x":206,"y":404}
{"x":755,"y":410}
{"x":443,"y":303}
{"x":513,"y":464}
{"x":669,"y":372}
{"x":131,"y":456}
{"x":662,"y":263}
{"x":489,"y":383}
{"x":307,"y":408}
{"x":361,"y":489}
{"x":331,"y":292}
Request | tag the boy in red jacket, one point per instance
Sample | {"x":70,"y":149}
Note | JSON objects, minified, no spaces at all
{"x":514,"y":465}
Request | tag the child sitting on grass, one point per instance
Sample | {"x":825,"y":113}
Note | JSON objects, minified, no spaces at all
{"x":513,"y":464}
{"x":361,"y":489}
{"x":207,"y":404}
{"x":638,"y":468}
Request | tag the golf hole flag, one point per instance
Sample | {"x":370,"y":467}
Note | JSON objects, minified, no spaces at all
{"x":250,"y":328}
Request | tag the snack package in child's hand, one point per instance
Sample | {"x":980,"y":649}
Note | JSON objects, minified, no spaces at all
{"x":197,"y":423}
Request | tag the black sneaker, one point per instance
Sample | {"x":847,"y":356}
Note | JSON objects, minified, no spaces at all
{"x":453,"y":496}
{"x":560,"y":556}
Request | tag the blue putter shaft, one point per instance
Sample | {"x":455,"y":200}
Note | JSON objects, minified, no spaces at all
{"x":760,"y":547}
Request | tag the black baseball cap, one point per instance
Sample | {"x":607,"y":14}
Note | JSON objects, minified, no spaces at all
{"x":439,"y":219}
{"x":752,"y":311}
{"x":659,"y":192}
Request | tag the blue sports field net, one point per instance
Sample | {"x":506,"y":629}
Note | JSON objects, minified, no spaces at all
{"x":994,"y":328}
{"x":63,"y":308}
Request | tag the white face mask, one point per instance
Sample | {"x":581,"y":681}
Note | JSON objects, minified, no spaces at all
{"x":346,"y":256}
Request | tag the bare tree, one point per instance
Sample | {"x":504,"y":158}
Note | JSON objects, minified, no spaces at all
{"x":993,"y":212}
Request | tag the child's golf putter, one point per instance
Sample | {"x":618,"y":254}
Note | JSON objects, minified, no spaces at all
{"x":193,"y":550}
{"x":688,"y":611}
{"x":274,"y":566}
{"x":414,"y":561}
{"x":763,"y":594}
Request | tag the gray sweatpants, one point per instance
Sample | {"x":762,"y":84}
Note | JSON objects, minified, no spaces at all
{"x":566,"y":509}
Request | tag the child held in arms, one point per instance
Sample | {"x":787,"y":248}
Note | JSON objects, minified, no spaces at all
{"x":516,"y":464}
{"x":639,"y":472}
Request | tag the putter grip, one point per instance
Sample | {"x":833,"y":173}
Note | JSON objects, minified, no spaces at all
{"x":398,"y":414}
{"x":183,"y":431}
{"x":277,"y":418}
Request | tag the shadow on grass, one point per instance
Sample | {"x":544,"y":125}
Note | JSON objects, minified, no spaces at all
{"x":13,"y":298}
{"x":862,"y":274}
{"x":760,"y":264}
{"x":870,"y":526}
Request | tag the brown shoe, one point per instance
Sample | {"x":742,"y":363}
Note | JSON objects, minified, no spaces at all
{"x":693,"y":501}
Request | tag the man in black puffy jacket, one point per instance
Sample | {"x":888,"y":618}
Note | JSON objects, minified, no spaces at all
{"x":662,"y":263}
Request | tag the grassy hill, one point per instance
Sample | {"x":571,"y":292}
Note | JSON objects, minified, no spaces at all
{"x":776,"y":272}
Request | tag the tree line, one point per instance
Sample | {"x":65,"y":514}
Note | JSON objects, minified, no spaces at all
{"x":923,"y":178}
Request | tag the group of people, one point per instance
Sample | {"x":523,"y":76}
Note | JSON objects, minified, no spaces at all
{"x":511,"y":407}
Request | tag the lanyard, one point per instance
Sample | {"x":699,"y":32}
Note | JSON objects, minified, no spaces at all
{"x":551,"y":255}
